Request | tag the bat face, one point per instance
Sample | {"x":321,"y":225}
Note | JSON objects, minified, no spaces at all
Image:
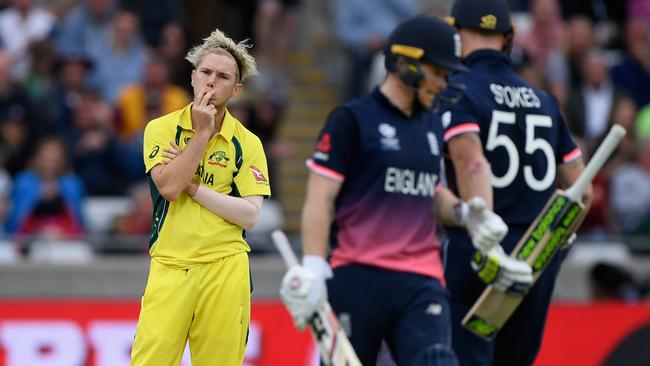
{"x":558,"y":220}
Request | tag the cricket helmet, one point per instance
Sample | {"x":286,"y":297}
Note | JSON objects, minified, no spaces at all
{"x":423,"y":39}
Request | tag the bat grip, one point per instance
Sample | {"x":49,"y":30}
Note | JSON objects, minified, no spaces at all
{"x":284,"y":247}
{"x":596,"y":162}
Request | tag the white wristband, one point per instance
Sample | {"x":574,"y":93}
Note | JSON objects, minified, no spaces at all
{"x":461,"y":211}
{"x":318,"y":265}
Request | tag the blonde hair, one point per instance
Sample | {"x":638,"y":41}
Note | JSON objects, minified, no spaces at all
{"x":217,"y":42}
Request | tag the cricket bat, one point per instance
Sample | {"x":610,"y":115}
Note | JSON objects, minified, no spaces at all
{"x":333,"y":344}
{"x":560,"y":218}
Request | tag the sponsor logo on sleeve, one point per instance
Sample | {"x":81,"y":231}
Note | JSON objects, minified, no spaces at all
{"x":259,"y":176}
{"x":154,"y":152}
{"x":323,"y":148}
{"x":325,"y":143}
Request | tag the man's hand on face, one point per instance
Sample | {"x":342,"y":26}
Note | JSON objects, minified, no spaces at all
{"x":203,"y":112}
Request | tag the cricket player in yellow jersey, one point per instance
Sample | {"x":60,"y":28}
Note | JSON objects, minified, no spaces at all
{"x":208,"y":177}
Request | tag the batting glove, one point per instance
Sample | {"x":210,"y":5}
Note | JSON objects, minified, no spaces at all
{"x":303,"y":288}
{"x":485,"y":228}
{"x":504,"y":273}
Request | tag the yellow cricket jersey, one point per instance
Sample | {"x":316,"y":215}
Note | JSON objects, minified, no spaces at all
{"x":184,"y":233}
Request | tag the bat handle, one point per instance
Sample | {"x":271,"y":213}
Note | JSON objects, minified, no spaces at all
{"x":596,"y":162}
{"x":284,"y":247}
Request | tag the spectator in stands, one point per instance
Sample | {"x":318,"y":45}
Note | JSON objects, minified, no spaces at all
{"x":638,"y":9}
{"x":155,"y":96}
{"x":580,"y":40}
{"x":642,"y":123}
{"x":633,"y":74}
{"x":40,"y":84}
{"x":542,"y":44}
{"x":600,"y":220}
{"x":275,"y":23}
{"x":20,"y":24}
{"x":58,"y":8}
{"x":94,"y":149}
{"x":525,"y":67}
{"x":630,"y":192}
{"x":5,"y":190}
{"x":72,"y":71}
{"x":264,"y":122}
{"x":16,"y":120}
{"x":47,"y":197}
{"x":153,"y":15}
{"x":590,"y":104}
{"x":362,"y":27}
{"x":599,"y":11}
{"x":120,"y":60}
{"x":624,"y":112}
{"x":85,"y":27}
{"x":173,"y":44}
{"x":138,"y":220}
{"x":545,"y":37}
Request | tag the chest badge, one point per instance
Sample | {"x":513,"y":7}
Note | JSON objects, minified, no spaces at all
{"x":388,"y":140}
{"x":219,"y":158}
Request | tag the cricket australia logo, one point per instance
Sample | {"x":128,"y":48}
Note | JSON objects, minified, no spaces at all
{"x":388,"y":139}
{"x":219,"y":158}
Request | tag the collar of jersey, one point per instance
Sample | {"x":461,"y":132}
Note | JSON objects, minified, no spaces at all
{"x":483,"y":55}
{"x":227,"y":127}
{"x":383,"y":100}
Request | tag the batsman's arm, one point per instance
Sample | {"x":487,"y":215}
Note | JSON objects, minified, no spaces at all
{"x":473,"y":174}
{"x":443,"y":206}
{"x":318,"y":213}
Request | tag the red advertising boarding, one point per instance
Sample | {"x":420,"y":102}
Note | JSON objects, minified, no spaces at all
{"x":100,"y":333}
{"x":591,"y":334}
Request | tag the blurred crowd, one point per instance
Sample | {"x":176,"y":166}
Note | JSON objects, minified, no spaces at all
{"x":80,"y":79}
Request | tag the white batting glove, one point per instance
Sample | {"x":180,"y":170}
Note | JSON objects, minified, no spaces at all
{"x":485,"y":228}
{"x":504,"y":273}
{"x":303,"y":288}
